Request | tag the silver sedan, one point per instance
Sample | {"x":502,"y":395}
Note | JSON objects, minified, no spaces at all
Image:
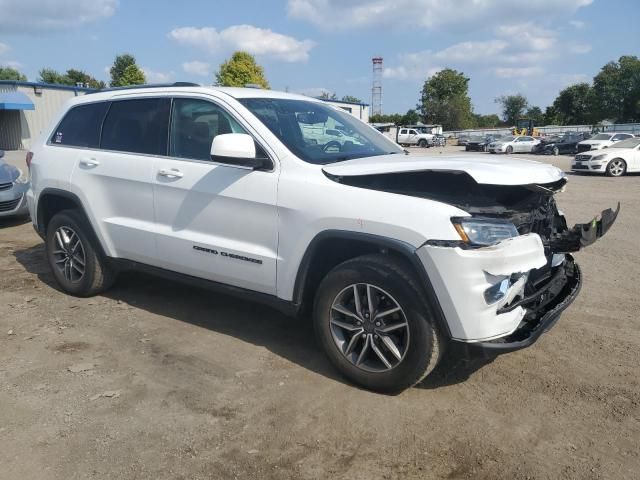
{"x":13,"y":186}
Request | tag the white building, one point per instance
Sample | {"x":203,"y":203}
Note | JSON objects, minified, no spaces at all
{"x":358,"y":110}
{"x":26,"y":108}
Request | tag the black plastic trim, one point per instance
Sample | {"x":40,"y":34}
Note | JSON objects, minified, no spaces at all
{"x":407,"y":251}
{"x":284,"y":306}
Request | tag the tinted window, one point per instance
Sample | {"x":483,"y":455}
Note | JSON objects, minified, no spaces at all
{"x":194,"y":124}
{"x":81,"y":126}
{"x":621,"y":136}
{"x":137,"y":126}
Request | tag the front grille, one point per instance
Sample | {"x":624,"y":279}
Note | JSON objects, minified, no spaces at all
{"x":5,"y":186}
{"x":10,"y":205}
{"x":579,"y":167}
{"x":584,"y":148}
{"x":583,"y":158}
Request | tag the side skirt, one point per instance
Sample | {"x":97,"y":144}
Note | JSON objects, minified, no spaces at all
{"x":286,"y":307}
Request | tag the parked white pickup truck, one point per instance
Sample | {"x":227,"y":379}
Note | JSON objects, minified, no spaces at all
{"x":411,"y":136}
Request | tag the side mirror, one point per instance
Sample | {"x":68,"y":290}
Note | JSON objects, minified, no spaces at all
{"x":237,"y":149}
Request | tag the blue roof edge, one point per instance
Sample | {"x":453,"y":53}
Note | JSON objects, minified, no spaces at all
{"x":55,"y":86}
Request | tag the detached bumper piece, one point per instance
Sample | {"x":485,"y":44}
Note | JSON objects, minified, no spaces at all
{"x":544,"y":306}
{"x":584,"y":234}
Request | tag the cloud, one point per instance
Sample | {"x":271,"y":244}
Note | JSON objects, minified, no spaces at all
{"x":254,"y":40}
{"x":197,"y":68}
{"x":37,"y":16}
{"x":576,"y":23}
{"x":509,"y":72}
{"x":4,"y":48}
{"x":517,"y":50}
{"x":12,"y":64}
{"x":157,"y":77}
{"x":343,"y":14}
{"x":579,"y":48}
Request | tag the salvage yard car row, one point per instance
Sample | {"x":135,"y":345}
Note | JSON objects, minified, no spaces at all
{"x":613,"y":154}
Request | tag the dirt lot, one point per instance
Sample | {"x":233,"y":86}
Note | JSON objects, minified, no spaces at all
{"x":157,"y":380}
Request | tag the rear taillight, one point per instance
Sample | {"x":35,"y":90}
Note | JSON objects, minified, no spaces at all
{"x":29,"y":158}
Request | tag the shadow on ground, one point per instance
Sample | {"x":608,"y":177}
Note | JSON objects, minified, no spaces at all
{"x":251,"y":322}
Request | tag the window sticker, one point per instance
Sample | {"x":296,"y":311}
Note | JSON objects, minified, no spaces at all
{"x":58,"y":138}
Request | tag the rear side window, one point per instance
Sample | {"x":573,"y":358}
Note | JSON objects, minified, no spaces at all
{"x":80,"y":127}
{"x":137,"y":126}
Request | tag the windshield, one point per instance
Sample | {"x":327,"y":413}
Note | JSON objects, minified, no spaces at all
{"x":507,"y":139}
{"x":601,"y":136}
{"x":318,"y":133}
{"x":628,"y":143}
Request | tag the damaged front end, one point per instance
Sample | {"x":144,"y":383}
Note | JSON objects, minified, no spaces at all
{"x":498,"y":297}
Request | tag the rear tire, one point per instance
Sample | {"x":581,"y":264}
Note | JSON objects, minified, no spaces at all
{"x":73,"y":256}
{"x":384,"y":353}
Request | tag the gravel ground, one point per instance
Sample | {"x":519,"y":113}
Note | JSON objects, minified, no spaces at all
{"x":158,"y":380}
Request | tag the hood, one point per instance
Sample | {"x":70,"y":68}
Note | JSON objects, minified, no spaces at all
{"x":8,"y":173}
{"x":612,"y":151}
{"x":489,"y":171}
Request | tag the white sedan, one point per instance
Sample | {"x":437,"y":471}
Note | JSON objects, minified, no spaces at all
{"x":511,"y":144}
{"x":615,"y":161}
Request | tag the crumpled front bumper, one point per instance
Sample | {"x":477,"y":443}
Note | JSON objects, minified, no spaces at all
{"x":460,"y":277}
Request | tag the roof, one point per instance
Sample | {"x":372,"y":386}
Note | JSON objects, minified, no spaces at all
{"x":53,"y":86}
{"x":15,"y":101}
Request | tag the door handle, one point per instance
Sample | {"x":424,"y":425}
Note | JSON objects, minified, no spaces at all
{"x":89,"y":162}
{"x":170,"y":173}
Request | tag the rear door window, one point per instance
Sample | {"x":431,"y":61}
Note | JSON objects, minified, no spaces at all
{"x":137,"y":126}
{"x":80,"y":127}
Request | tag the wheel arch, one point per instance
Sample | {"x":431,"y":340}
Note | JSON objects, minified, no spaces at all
{"x":332,"y":247}
{"x":54,"y":200}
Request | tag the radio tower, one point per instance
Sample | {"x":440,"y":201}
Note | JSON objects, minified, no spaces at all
{"x":376,"y":86}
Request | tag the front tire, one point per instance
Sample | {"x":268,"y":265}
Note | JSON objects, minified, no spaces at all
{"x":616,"y":167}
{"x":374,"y":324}
{"x":509,"y":150}
{"x":422,"y":143}
{"x":72,"y":253}
{"x":556,"y":152}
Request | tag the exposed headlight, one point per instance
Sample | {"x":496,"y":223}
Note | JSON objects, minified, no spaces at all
{"x":483,"y":232}
{"x":22,"y":178}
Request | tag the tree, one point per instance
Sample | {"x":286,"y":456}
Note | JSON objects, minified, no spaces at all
{"x":616,"y":90}
{"x":574,"y":105}
{"x":486,"y":121}
{"x":445,"y":100}
{"x":351,"y":99}
{"x":8,"y":73}
{"x":410,"y":118}
{"x":132,"y":75}
{"x":241,"y":70}
{"x":120,"y":66}
{"x":395,"y":118}
{"x":71,"y":77}
{"x":49,"y":75}
{"x":78,"y":76}
{"x":535,"y":114}
{"x":513,"y":107}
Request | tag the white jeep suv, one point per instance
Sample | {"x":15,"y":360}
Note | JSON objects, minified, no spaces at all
{"x":394,"y":257}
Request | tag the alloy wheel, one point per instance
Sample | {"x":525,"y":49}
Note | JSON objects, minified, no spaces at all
{"x":69,"y":255}
{"x":369,"y":327}
{"x":616,"y":167}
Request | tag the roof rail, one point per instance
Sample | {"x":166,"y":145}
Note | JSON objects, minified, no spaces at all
{"x":149,"y":85}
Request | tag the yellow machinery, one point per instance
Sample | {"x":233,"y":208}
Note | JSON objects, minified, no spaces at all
{"x":525,"y":126}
